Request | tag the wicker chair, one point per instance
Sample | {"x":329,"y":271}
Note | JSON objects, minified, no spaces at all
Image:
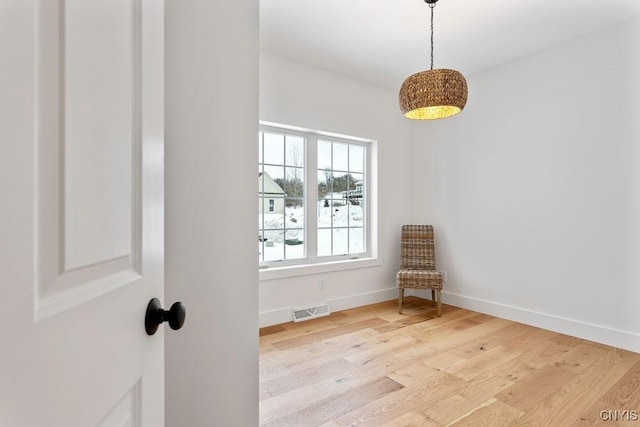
{"x":418,"y":263}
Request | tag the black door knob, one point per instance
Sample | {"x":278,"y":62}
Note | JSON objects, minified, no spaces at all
{"x":156,"y":315}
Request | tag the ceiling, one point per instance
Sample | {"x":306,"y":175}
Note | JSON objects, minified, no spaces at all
{"x":381,"y":42}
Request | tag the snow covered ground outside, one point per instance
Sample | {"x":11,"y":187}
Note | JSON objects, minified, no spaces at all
{"x":336,"y":241}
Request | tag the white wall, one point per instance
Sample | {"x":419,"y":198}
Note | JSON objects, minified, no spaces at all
{"x":211,"y":128}
{"x":295,"y":94}
{"x":534,"y":189}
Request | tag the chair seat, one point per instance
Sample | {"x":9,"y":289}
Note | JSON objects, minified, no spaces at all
{"x":419,"y":279}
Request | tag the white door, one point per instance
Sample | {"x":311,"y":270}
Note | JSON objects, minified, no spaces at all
{"x":81,"y":212}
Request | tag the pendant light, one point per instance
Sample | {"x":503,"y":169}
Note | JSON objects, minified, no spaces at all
{"x":433,"y":94}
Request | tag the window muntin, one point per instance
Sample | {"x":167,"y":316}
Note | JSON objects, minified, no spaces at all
{"x":306,"y":169}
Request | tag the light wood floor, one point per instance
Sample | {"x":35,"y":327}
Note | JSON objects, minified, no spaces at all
{"x":371,"y":366}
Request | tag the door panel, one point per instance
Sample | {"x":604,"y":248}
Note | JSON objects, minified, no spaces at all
{"x":82,"y":240}
{"x":99,"y":60}
{"x":89,"y":160}
{"x":126,"y":413}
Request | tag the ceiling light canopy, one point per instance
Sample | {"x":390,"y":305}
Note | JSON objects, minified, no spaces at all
{"x":433,"y":94}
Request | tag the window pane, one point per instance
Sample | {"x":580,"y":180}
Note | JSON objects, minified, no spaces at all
{"x":294,"y":244}
{"x":356,"y":182}
{"x":274,"y":246}
{"x":340,"y":241}
{"x":324,"y":242}
{"x":340,"y":213}
{"x":356,"y":158}
{"x":324,"y":154}
{"x":356,"y":213}
{"x":340,"y":183}
{"x":324,"y":212}
{"x":340,"y":156}
{"x":275,"y":173}
{"x":295,"y":150}
{"x":273,"y":220}
{"x":294,"y":182}
{"x":274,"y":148}
{"x":324,"y":183}
{"x":259,"y":147}
{"x":356,"y":240}
{"x":294,"y":213}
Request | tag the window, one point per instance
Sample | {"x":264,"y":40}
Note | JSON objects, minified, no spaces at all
{"x":313,"y":203}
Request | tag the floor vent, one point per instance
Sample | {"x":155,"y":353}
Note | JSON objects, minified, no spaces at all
{"x":307,"y":313}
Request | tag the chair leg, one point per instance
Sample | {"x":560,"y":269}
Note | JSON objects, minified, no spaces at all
{"x":400,"y":298}
{"x":433,"y":297}
{"x":439,"y":303}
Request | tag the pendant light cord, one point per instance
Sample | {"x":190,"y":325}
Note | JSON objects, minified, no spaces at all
{"x":431,"y":6}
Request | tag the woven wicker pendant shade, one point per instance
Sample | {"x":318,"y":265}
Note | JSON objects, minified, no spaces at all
{"x":433,"y":94}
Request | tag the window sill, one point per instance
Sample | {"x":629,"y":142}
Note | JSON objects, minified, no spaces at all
{"x":273,"y":273}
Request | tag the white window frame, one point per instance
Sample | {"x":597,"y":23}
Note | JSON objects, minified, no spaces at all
{"x":312,"y":264}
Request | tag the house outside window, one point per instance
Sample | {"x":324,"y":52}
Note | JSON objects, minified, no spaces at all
{"x":313,"y":197}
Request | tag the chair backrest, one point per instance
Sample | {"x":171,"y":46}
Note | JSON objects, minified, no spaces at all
{"x":417,"y":250}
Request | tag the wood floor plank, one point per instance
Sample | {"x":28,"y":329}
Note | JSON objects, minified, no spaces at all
{"x":293,"y":329}
{"x":581,"y":357}
{"x":307,"y":376}
{"x":263,"y":394}
{"x":548,"y":353}
{"x":602,"y":414}
{"x":529,"y":340}
{"x":452,"y":407}
{"x":372,"y":366}
{"x":314,"y":354}
{"x":349,"y":380}
{"x":412,"y":419}
{"x":330,"y":423}
{"x":483,"y":363}
{"x":271,"y":330}
{"x":410,"y":398}
{"x":287,"y":403}
{"x":334,"y":406}
{"x":403,"y":322}
{"x":270,"y":371}
{"x":530,"y":391}
{"x":445,"y":338}
{"x":486,"y":342}
{"x":625,"y":394}
{"x":327,"y":333}
{"x":415,"y":373}
{"x":465,"y":397}
{"x":491,"y":413}
{"x":385,"y":346}
{"x":575,"y":396}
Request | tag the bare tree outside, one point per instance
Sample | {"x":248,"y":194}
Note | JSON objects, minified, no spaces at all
{"x":295,"y":175}
{"x":325,"y":187}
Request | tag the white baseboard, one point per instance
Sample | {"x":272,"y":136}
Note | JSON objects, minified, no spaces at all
{"x":283,"y":315}
{"x":588,"y":331}
{"x":275,"y":317}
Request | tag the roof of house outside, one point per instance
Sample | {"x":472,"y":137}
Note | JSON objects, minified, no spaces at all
{"x":270,"y":186}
